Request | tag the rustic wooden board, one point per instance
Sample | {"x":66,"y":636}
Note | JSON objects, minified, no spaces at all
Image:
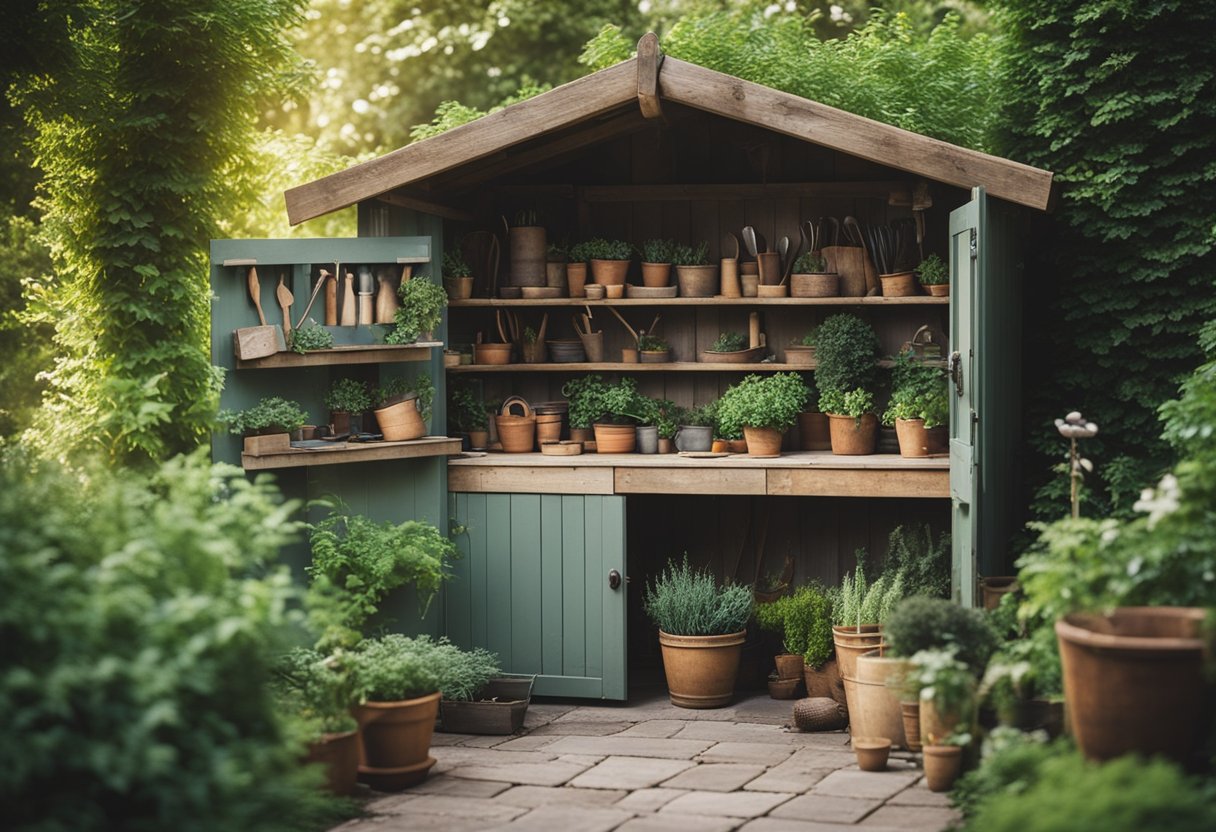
{"x":631,"y":480}
{"x":342,"y":355}
{"x":861,"y":482}
{"x":487,"y":476}
{"x":915,"y":300}
{"x":352,"y":452}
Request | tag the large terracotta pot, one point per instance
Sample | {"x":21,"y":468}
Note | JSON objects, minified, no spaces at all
{"x":873,"y":704}
{"x":401,"y":421}
{"x":763,"y":442}
{"x":852,"y":642}
{"x":813,"y":432}
{"x":615,"y":439}
{"x":853,"y":437}
{"x":942,"y":766}
{"x":1133,"y":681}
{"x":394,"y":740}
{"x":609,"y":272}
{"x":993,"y":589}
{"x":913,"y":439}
{"x":701,"y":670}
{"x":339,"y":754}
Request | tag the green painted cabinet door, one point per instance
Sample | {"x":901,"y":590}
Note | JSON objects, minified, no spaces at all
{"x":534,"y":586}
{"x":965,"y":225}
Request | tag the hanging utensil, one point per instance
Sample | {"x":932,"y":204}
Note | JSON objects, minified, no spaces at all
{"x":285,"y":298}
{"x":257,"y":341}
{"x":734,"y":240}
{"x":852,"y":232}
{"x":749,"y":240}
{"x":832,"y":236}
{"x":783,"y":249}
{"x":316,"y":290}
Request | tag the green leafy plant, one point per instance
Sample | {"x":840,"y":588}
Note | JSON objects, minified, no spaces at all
{"x":804,"y":620}
{"x":652,"y":343}
{"x":466,"y":673}
{"x":924,"y":559}
{"x":763,"y":402}
{"x":938,"y":676}
{"x":918,"y":391}
{"x":704,"y":416}
{"x":809,"y":263}
{"x":319,"y":689}
{"x":729,"y":342}
{"x":529,"y":335}
{"x":846,"y":350}
{"x":311,"y":337}
{"x":556,"y":253}
{"x":270,"y":415}
{"x":363,"y":560}
{"x":657,"y":251}
{"x":581,"y":252}
{"x":348,"y":395}
{"x":466,"y":411}
{"x":858,"y":602}
{"x":622,"y":402}
{"x":683,"y":601}
{"x":454,"y":264}
{"x":601,"y":249}
{"x":668,"y":418}
{"x":682,"y":255}
{"x":920,"y":623}
{"x":1011,"y":763}
{"x":811,"y":339}
{"x":585,"y":395}
{"x":396,"y":386}
{"x":932,"y":271}
{"x":421,"y":310}
{"x":395,"y":667}
{"x":855,"y":403}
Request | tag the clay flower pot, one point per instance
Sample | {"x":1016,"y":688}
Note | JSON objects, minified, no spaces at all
{"x":394,"y":741}
{"x":873,"y":704}
{"x":458,"y":288}
{"x":339,"y":754}
{"x":910,"y":711}
{"x":872,"y":752}
{"x":697,"y":281}
{"x":899,"y":285}
{"x":937,"y":290}
{"x":576,"y":279}
{"x":852,"y":642}
{"x":852,"y":436}
{"x":479,"y":439}
{"x":789,"y":665}
{"x":401,"y":421}
{"x":913,"y":438}
{"x":609,"y":272}
{"x":615,"y":439}
{"x":762,"y":442}
{"x":656,"y":275}
{"x":701,"y":670}
{"x":942,"y":766}
{"x":783,"y":688}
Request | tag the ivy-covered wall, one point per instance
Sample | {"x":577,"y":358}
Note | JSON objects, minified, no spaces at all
{"x":1119,"y":100}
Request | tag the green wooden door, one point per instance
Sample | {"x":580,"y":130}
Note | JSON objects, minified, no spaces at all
{"x":533,"y":587}
{"x":965,"y":224}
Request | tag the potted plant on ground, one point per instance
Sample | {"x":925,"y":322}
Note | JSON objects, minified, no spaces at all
{"x":319,"y":690}
{"x":811,"y":278}
{"x":555,"y":266}
{"x":403,"y":407}
{"x":804,"y":620}
{"x":765,"y":407}
{"x":696,"y":432}
{"x":943,"y":760}
{"x":467,"y":416}
{"x":696,"y":277}
{"x":576,"y":270}
{"x":347,"y":400}
{"x":653,"y":350}
{"x":858,"y":612}
{"x":919,"y":406}
{"x":457,"y":276}
{"x":946,"y":689}
{"x":701,"y":633}
{"x":656,"y":263}
{"x":421,"y":310}
{"x":476,"y":699}
{"x":852,"y":425}
{"x":267,"y":426}
{"x":609,"y":260}
{"x":802,"y":351}
{"x":934,"y":276}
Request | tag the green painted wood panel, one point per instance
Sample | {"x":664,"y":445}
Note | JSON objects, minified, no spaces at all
{"x":965,"y":227}
{"x":547,"y":604}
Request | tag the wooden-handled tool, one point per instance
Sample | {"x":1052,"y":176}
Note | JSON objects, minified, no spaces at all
{"x":331,"y":296}
{"x":286,"y":299}
{"x":257,"y":341}
{"x":316,"y":290}
{"x":255,"y":292}
{"x":349,"y":314}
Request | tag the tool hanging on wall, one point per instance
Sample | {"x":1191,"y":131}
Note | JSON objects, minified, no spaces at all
{"x":349,"y":315}
{"x":286,"y":299}
{"x":366,"y":296}
{"x":386,"y":296}
{"x":331,"y":295}
{"x":257,"y":341}
{"x":316,"y":290}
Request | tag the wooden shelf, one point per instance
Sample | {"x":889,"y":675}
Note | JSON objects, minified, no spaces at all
{"x":668,"y":367}
{"x":343,"y":452}
{"x":794,"y":474}
{"x":917,"y":300}
{"x":344,"y":354}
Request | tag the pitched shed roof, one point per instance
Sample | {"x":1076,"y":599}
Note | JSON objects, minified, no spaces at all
{"x":618,"y":97}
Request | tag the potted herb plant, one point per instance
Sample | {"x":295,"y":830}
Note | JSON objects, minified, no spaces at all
{"x":421,"y":310}
{"x":847,"y":357}
{"x":812,"y":279}
{"x":267,"y":426}
{"x":467,"y":416}
{"x":934,"y":276}
{"x":609,"y":260}
{"x":804,"y":621}
{"x":555,"y":266}
{"x":312,"y":336}
{"x":457,"y":276}
{"x":319,"y":689}
{"x":943,"y":761}
{"x":576,"y":269}
{"x":347,"y":400}
{"x":622,"y":408}
{"x":946,"y":689}
{"x":696,"y":431}
{"x":404,"y":407}
{"x":653,"y":350}
{"x":859,"y":610}
{"x":656,"y":263}
{"x":852,"y":425}
{"x":478,"y":700}
{"x":701,"y":633}
{"x":814,"y":433}
{"x":765,"y":407}
{"x":801,"y":352}
{"x":696,"y":277}
{"x":668,"y":416}
{"x":919,"y":407}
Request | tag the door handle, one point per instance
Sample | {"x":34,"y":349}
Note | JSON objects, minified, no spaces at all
{"x":956,"y":372}
{"x":614,"y":579}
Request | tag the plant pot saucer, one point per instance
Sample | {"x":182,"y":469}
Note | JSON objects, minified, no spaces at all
{"x":632,"y":291}
{"x":704,"y":454}
{"x":395,"y":779}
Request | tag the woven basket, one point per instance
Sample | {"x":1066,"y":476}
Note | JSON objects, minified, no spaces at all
{"x":819,"y":714}
{"x":517,"y":433}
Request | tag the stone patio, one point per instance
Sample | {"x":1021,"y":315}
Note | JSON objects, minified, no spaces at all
{"x":651,"y":767}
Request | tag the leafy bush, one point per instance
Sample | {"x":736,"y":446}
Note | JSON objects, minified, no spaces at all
{"x":810,"y":263}
{"x":932,"y":271}
{"x":270,"y":415}
{"x":729,"y":342}
{"x":810,"y":339}
{"x":585,"y":396}
{"x":859,"y":602}
{"x":683,"y":601}
{"x":319,"y":689}
{"x":601,"y":249}
{"x":919,"y":623}
{"x":804,"y":620}
{"x":1122,"y":795}
{"x":139,"y":617}
{"x":311,"y":337}
{"x":454,"y":264}
{"x":657,"y":251}
{"x":348,"y":395}
{"x":396,"y":667}
{"x":467,"y":672}
{"x":580,"y":252}
{"x":847,"y":354}
{"x":925,"y":562}
{"x":704,"y":416}
{"x":919,"y":390}
{"x":668,"y":418}
{"x":855,"y":403}
{"x":763,"y":402}
{"x":622,"y":402}
{"x":938,"y":676}
{"x":690,"y":255}
{"x":421,"y":310}
{"x":466,"y":411}
{"x":1012,"y":762}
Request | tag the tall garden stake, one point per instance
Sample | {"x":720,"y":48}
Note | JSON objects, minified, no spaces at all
{"x":1074,"y":427}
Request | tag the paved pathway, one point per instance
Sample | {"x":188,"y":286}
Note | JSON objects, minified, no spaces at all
{"x":651,"y":767}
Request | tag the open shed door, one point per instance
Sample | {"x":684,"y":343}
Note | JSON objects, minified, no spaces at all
{"x":985,"y":379}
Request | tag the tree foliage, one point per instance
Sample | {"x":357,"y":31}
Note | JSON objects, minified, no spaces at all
{"x":1119,"y":100}
{"x":141,"y":131}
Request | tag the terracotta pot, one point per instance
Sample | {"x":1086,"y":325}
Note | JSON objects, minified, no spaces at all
{"x":873,"y":704}
{"x":910,"y":712}
{"x":555,"y":275}
{"x":913,"y":437}
{"x":853,"y":437}
{"x":942,"y":766}
{"x":594,"y":291}
{"x":401,"y":421}
{"x":1133,"y":681}
{"x":783,"y":688}
{"x":458,"y":288}
{"x":936,"y":725}
{"x":576,"y":279}
{"x":738,"y":446}
{"x":548,"y":427}
{"x":655,"y":356}
{"x":479,"y":439}
{"x":701,"y":670}
{"x":824,"y":681}
{"x":800,"y":355}
{"x":667,"y":446}
{"x":609,"y":272}
{"x":813,"y":432}
{"x":789,"y":665}
{"x":615,"y":439}
{"x":851,"y":642}
{"x":899,"y":285}
{"x":720,"y":446}
{"x":593,"y":345}
{"x":872,"y":752}
{"x":772,"y":291}
{"x":339,"y":754}
{"x":629,"y":356}
{"x":527,"y":244}
{"x":656,"y":275}
{"x":581,"y":435}
{"x":993,"y":589}
{"x":937,"y":290}
{"x":763,"y":442}
{"x":492,"y":353}
{"x":697,"y":281}
{"x":394,"y":738}
{"x":825,"y":285}
{"x":730,"y":278}
{"x":749,"y":284}
{"x":614,"y":291}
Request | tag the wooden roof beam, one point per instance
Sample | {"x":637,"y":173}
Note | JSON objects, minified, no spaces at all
{"x":406,"y":199}
{"x":650,"y":59}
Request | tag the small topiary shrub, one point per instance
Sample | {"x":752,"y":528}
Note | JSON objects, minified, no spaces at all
{"x":920,"y":623}
{"x":804,"y":620}
{"x":683,"y":601}
{"x":846,"y":349}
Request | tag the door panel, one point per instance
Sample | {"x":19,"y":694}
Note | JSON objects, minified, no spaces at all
{"x":545,"y":606}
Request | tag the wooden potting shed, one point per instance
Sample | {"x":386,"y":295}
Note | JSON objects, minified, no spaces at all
{"x":556,"y":549}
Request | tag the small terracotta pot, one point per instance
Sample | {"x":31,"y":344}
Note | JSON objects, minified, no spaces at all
{"x":667,"y":446}
{"x":789,"y":665}
{"x":937,"y":290}
{"x":749,"y":283}
{"x":763,"y":442}
{"x":533,"y":353}
{"x":738,"y":446}
{"x":458,"y":288}
{"x":576,"y":278}
{"x":913,"y":438}
{"x":936,"y":725}
{"x":910,"y":713}
{"x":614,"y":291}
{"x":615,"y":439}
{"x":942,"y":766}
{"x":609,"y":272}
{"x":701,"y":670}
{"x":548,"y":427}
{"x":767,"y":291}
{"x":899,"y":285}
{"x":853,"y":437}
{"x":594,"y":291}
{"x":813,"y":432}
{"x":992,"y":590}
{"x":655,"y":356}
{"x":656,"y":275}
{"x":555,"y":275}
{"x":720,"y":446}
{"x":339,"y":754}
{"x":394,"y":739}
{"x":583,"y":435}
{"x":769,"y":263}
{"x":872,"y":752}
{"x":873,"y":705}
{"x":479,"y":439}
{"x":783,"y":688}
{"x":800,"y":355}
{"x":629,"y":356}
{"x":401,"y":421}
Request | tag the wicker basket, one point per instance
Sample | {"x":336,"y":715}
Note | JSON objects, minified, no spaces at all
{"x":516,"y":433}
{"x":819,"y":714}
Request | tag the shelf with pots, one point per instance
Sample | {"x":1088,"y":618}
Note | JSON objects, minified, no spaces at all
{"x":664,"y":367}
{"x":343,"y":354}
{"x":716,"y":300}
{"x":337,"y":453}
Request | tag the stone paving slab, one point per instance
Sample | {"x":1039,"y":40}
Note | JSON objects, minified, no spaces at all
{"x":732,"y":731}
{"x":568,"y":819}
{"x":532,"y":742}
{"x":810,"y":758}
{"x":582,"y":728}
{"x":715,"y":777}
{"x":649,"y":800}
{"x":745,"y":752}
{"x":655,"y":728}
{"x":879,"y":785}
{"x":825,"y":809}
{"x":553,"y":773}
{"x":919,"y":795}
{"x":630,"y":773}
{"x":732,"y":804}
{"x":788,"y":825}
{"x":678,"y":823}
{"x":486,"y":810}
{"x":670,"y":749}
{"x":532,"y":797}
{"x":928,"y":818}
{"x":782,"y":779}
{"x":443,"y":784}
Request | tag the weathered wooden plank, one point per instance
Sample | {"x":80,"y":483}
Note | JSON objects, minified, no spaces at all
{"x":562,"y":107}
{"x":679,"y":192}
{"x":497,"y":479}
{"x":458,"y":602}
{"x":342,"y":356}
{"x":574,"y":572}
{"x":791,"y":115}
{"x":837,"y":482}
{"x":526,"y":599}
{"x":683,"y":481}
{"x":404,"y":199}
{"x":915,"y":300}
{"x":649,"y":59}
{"x":345,"y":453}
{"x":593,"y":583}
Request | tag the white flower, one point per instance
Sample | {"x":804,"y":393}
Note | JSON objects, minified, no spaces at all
{"x":1161,"y":501}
